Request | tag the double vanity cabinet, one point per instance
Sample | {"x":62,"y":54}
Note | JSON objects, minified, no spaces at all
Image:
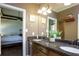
{"x":39,"y":50}
{"x":45,"y":48}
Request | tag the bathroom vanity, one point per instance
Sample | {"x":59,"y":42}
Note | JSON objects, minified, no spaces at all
{"x":45,"y":48}
{"x":42,"y":50}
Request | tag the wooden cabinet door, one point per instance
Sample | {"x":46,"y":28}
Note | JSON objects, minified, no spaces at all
{"x":38,"y":50}
{"x":34,"y":50}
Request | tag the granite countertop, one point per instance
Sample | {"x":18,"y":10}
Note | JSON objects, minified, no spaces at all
{"x":56,"y":46}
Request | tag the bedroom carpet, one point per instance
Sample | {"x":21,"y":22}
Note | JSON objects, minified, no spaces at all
{"x":12,"y":51}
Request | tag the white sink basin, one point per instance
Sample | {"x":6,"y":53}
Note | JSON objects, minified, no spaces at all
{"x":37,"y":40}
{"x":70,"y":49}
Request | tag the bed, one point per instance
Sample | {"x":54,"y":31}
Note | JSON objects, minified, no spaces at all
{"x":11,"y":39}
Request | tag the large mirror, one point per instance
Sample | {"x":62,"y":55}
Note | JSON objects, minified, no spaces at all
{"x":67,"y":25}
{"x":51,"y":25}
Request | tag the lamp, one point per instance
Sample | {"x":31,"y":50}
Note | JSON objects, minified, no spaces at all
{"x":49,"y":11}
{"x":44,"y":13}
{"x":44,"y":10}
{"x":39,"y":11}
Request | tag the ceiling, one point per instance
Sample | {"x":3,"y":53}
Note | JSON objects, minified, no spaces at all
{"x":56,"y":7}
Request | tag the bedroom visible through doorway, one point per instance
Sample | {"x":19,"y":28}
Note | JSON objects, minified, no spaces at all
{"x":11,"y":32}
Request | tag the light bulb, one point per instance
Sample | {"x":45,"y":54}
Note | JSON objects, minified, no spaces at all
{"x":39,"y":11}
{"x":44,"y":9}
{"x":49,"y":11}
{"x":44,"y":13}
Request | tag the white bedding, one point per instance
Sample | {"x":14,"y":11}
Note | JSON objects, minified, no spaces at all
{"x":11,"y":39}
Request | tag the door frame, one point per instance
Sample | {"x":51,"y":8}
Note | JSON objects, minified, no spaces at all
{"x":48,"y":24}
{"x":24,"y":25}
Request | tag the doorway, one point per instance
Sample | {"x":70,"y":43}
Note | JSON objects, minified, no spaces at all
{"x":22,"y":31}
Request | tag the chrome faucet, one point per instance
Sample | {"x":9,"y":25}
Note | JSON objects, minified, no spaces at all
{"x":72,"y":43}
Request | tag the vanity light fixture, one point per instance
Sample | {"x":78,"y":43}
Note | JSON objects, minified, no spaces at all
{"x":39,"y":11}
{"x":49,"y":11}
{"x":44,"y":11}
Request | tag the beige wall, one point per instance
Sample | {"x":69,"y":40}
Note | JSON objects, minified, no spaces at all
{"x":69,"y":28}
{"x":37,"y":27}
